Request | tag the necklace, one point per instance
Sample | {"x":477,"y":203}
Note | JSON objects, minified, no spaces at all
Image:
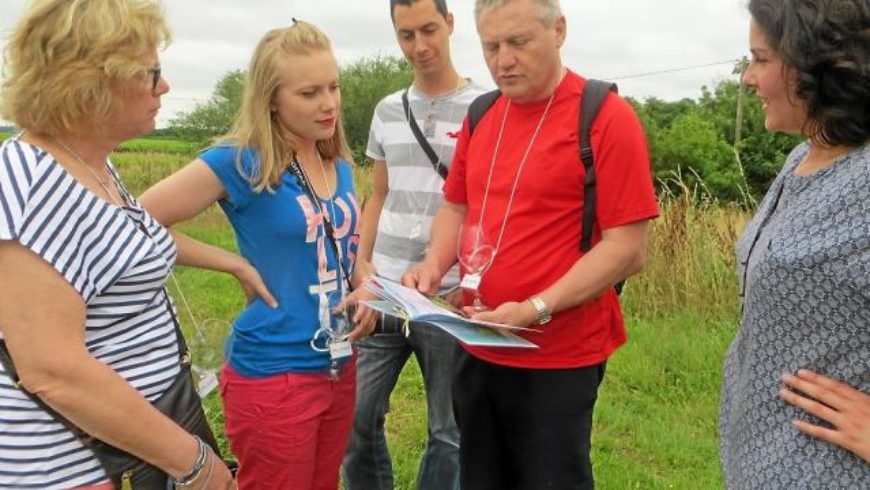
{"x":519,"y":171}
{"x":124,"y":201}
{"x":328,"y":187}
{"x":335,"y":338}
{"x":325,"y":221}
{"x":80,"y":161}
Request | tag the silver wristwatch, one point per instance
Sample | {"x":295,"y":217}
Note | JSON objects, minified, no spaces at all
{"x":544,"y":314}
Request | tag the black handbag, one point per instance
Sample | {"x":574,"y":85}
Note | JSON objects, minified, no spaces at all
{"x":180,"y":402}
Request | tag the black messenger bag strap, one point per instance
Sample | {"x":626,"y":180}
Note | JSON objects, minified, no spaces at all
{"x":9,"y":367}
{"x":180,"y":399}
{"x":421,"y":140}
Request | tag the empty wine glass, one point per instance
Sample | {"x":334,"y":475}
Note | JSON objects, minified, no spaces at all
{"x":341,"y":321}
{"x":475,"y":254}
{"x":206,"y":350}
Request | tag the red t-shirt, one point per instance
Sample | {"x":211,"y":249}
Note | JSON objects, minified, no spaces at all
{"x":542,"y":235}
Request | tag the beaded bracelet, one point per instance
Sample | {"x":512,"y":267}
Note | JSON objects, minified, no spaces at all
{"x":194,"y":473}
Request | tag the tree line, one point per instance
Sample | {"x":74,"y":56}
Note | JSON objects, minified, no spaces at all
{"x":715,"y":146}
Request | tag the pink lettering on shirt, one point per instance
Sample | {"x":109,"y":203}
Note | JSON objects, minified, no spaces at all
{"x":313,"y":220}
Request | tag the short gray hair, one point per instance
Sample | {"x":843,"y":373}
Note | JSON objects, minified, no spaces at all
{"x":548,"y":10}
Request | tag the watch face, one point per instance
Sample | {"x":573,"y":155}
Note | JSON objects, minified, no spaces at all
{"x":544,"y":315}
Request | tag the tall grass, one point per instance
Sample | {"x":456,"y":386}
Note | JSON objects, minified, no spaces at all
{"x":690,"y":264}
{"x":655,"y":425}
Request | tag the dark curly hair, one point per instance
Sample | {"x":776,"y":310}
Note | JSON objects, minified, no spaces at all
{"x":827,"y":42}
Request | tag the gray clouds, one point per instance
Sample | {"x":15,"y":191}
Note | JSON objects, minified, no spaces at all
{"x":605,"y":39}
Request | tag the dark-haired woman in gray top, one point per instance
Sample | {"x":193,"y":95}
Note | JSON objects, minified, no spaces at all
{"x":795,"y":404}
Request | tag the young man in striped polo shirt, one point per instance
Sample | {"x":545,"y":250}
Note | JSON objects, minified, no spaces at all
{"x":395,"y":233}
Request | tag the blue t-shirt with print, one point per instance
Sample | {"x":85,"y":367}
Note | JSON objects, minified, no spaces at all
{"x":281,"y":234}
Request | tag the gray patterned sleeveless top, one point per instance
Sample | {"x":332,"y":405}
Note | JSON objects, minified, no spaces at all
{"x":806,"y":304}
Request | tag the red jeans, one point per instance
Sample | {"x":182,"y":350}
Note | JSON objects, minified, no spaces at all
{"x":289,"y":431}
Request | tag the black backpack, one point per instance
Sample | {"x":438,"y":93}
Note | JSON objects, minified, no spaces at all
{"x":593,"y":96}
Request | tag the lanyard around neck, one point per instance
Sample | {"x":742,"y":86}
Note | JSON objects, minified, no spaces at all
{"x":328,"y":229}
{"x":519,"y":171}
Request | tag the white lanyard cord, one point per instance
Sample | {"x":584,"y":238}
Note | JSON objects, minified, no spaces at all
{"x":331,"y":208}
{"x":127,"y":202}
{"x":332,"y":218}
{"x":519,"y":172}
{"x":322,"y":228}
{"x":319,"y":209}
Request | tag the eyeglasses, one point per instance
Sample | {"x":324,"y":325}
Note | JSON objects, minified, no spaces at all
{"x":155,"y":73}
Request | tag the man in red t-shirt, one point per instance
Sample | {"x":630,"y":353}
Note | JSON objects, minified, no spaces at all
{"x":525,"y":415}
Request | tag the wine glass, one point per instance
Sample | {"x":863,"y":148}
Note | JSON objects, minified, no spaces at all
{"x":341,"y":321}
{"x":206,"y":350}
{"x":475,"y":254}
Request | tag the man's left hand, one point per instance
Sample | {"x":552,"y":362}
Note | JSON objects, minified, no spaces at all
{"x":511,"y":313}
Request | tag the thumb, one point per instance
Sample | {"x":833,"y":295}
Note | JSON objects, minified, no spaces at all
{"x":410,"y":279}
{"x":424,"y":282}
{"x":475,"y":314}
{"x":485,"y":315}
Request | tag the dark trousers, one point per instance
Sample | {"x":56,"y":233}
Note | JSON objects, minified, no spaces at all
{"x":524,"y":429}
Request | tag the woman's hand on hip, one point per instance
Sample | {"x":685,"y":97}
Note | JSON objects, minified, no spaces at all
{"x":845,"y":408}
{"x":252,"y":283}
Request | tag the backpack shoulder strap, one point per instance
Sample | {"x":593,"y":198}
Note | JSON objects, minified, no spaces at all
{"x":479,"y":107}
{"x":591,"y":100}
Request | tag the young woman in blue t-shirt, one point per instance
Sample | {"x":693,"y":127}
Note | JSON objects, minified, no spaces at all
{"x":282,"y":177}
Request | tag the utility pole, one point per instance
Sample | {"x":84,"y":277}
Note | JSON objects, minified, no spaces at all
{"x":738,"y":122}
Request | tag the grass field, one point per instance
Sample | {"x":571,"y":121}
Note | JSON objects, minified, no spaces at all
{"x":655,"y":423}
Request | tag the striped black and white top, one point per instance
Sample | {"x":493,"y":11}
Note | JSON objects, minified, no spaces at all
{"x":119,"y":269}
{"x":414,"y":186}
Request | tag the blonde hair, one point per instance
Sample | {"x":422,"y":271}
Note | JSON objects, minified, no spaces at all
{"x":548,"y":10}
{"x":67,"y":59}
{"x":257,"y":127}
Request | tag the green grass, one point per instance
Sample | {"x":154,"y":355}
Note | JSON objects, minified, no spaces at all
{"x":655,"y":422}
{"x":162,"y":145}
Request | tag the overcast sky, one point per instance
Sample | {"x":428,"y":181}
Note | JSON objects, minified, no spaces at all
{"x":606,"y":39}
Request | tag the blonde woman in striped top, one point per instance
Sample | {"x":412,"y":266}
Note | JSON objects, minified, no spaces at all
{"x":83,"y":310}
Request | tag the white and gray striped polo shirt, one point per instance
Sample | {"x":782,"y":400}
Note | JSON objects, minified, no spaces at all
{"x":414,"y":187}
{"x":119,"y":270}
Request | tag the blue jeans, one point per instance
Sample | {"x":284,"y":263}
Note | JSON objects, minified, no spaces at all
{"x":382,"y":356}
